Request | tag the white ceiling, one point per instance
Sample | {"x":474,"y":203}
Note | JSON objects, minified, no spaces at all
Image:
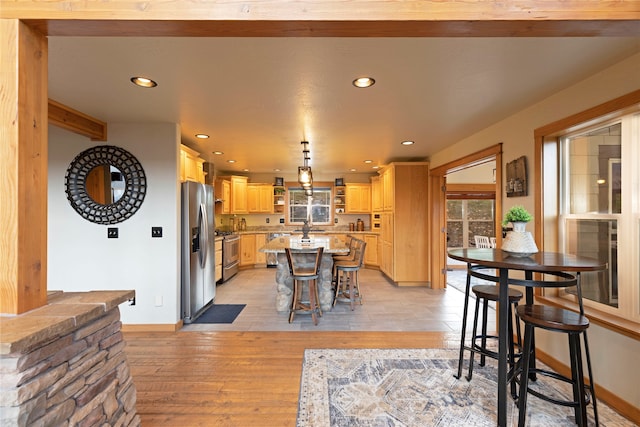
{"x":259,"y":97}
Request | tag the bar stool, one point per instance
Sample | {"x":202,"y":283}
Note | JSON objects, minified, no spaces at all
{"x":304,"y":266}
{"x":351,"y":242}
{"x":484,"y":294}
{"x":574,"y":325}
{"x":347,"y":274}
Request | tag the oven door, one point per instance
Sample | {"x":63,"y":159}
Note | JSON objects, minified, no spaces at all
{"x":230,"y":256}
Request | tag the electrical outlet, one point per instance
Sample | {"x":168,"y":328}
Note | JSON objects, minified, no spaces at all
{"x":112,"y":232}
{"x":281,"y":220}
{"x":156,"y":231}
{"x":335,"y":220}
{"x":159,"y":301}
{"x":267,"y":220}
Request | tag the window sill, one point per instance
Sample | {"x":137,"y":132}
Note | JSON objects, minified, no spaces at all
{"x":606,"y":320}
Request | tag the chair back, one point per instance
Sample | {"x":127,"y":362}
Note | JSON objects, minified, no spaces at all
{"x":359,"y":252}
{"x":482,"y":242}
{"x":304,"y":262}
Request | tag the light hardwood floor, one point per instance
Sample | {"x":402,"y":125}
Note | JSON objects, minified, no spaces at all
{"x":248,"y":373}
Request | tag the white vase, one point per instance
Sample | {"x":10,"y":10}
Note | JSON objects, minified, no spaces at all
{"x":519,"y":243}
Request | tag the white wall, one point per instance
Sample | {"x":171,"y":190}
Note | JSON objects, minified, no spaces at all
{"x":81,"y":258}
{"x":613,"y":354}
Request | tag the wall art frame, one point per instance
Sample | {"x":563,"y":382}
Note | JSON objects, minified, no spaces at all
{"x":135,"y":184}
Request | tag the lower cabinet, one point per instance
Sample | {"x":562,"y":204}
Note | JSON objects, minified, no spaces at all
{"x":250,"y":254}
{"x":371,"y":250}
{"x":218,"y":259}
{"x":247,"y":250}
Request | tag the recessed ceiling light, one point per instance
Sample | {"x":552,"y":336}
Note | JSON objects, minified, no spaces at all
{"x":352,"y":170}
{"x":276,"y":170}
{"x":218,"y":153}
{"x":364,"y":82}
{"x":375,"y":167}
{"x":407,"y":142}
{"x":202,"y":136}
{"x":245,"y":170}
{"x":143,"y":82}
{"x":368,"y":161}
{"x":231,"y":161}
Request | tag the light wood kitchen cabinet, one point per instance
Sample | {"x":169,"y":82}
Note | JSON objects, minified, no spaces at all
{"x":218,"y":259}
{"x":247,"y":250}
{"x":239,"y":195}
{"x":386,"y":237}
{"x":191,"y":165}
{"x":376,"y":194}
{"x":261,"y":257}
{"x":371,"y":250}
{"x":358,"y":198}
{"x":260,"y":198}
{"x":387,"y":185}
{"x":237,"y":199}
{"x":404,"y":223}
{"x":223,"y":196}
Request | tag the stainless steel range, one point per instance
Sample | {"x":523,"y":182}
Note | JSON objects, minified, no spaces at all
{"x":230,"y":255}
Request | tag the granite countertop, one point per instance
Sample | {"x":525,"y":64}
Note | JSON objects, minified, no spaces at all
{"x":325,"y":231}
{"x":331,"y":245}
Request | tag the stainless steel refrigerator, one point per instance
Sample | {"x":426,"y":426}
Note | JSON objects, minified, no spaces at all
{"x":198,"y":254}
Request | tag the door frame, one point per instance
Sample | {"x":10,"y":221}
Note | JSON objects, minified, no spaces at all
{"x":438,"y":226}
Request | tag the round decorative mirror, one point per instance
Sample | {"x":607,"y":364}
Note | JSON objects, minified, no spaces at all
{"x":105,"y":184}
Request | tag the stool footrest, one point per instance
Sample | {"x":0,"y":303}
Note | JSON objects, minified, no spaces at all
{"x":557,"y":376}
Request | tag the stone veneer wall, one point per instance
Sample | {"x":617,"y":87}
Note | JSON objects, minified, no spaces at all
{"x":64,"y":364}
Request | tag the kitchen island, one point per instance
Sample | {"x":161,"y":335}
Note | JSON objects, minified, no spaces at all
{"x":284,"y":289}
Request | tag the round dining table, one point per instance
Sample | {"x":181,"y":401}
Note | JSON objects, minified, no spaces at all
{"x":504,"y":263}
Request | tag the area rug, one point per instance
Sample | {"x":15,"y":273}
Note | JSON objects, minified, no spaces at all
{"x":220,"y":313}
{"x":416,"y":387}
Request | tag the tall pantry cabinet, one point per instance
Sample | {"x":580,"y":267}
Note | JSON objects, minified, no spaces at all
{"x":404,"y":228}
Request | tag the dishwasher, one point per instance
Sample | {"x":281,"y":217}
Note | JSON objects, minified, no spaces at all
{"x":272,"y":258}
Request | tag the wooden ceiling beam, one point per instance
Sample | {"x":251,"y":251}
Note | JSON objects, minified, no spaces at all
{"x":449,"y":28}
{"x":67,"y":118}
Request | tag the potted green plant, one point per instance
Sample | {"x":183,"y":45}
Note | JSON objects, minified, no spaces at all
{"x":518,"y":216}
{"x":518,"y":243}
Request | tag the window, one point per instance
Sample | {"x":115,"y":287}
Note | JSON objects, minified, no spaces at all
{"x":468,"y":218}
{"x":599,"y":210}
{"x":317,"y":207}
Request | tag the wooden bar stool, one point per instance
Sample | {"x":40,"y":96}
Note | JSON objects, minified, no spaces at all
{"x":351,"y":242}
{"x":574,"y":325}
{"x":484,"y":294}
{"x":304,"y":266}
{"x":348,"y":277}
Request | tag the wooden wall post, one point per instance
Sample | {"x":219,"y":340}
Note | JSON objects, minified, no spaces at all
{"x":23,"y":167}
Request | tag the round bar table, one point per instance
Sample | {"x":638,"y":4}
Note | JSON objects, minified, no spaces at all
{"x":541,"y":262}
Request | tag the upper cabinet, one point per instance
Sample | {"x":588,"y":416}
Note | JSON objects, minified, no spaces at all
{"x":387,"y":184}
{"x":376,"y":194}
{"x":223,"y":196}
{"x":358,"y":198}
{"x":239,"y":195}
{"x":191,"y":165}
{"x":260,"y":198}
{"x":235,"y":201}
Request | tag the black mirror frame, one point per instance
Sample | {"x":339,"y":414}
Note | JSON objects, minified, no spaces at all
{"x":135,"y":184}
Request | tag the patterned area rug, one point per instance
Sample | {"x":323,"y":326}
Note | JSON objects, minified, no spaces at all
{"x":416,"y":387}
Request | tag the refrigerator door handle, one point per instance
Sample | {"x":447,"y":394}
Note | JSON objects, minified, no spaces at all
{"x":204,"y":235}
